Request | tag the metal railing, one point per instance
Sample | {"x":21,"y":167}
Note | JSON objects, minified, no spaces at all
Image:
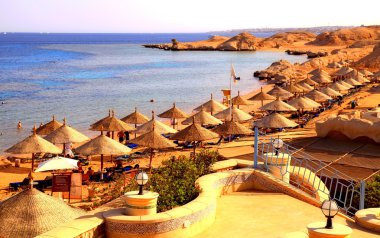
{"x":293,"y":165}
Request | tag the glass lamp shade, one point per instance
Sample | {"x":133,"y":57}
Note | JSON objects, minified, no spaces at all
{"x":329,"y":208}
{"x":278,"y":143}
{"x":141,"y":178}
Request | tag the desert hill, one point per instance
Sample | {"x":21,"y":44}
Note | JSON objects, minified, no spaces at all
{"x":287,"y":38}
{"x":371,"y":61}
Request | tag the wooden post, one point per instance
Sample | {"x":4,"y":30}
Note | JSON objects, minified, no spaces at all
{"x":101,"y":167}
{"x":32,"y":161}
{"x":150,"y":160}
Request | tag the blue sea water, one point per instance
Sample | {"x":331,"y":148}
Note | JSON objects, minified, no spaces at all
{"x":81,"y":76}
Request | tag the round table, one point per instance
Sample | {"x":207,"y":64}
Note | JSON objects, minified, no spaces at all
{"x":318,"y":230}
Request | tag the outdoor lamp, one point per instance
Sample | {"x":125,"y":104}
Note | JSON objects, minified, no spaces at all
{"x":277,"y":144}
{"x":141,"y":179}
{"x":329,"y":209}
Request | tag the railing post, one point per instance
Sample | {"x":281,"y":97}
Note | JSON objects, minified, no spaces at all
{"x":362,"y":195}
{"x":256,"y":148}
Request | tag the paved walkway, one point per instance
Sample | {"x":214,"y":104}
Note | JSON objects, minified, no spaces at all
{"x":257,"y":215}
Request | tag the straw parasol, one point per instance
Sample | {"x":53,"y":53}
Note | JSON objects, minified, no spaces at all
{"x":279,"y":106}
{"x":211,"y":106}
{"x":111,"y":123}
{"x":338,"y":87}
{"x":330,"y":92}
{"x":202,"y":117}
{"x":66,"y":134}
{"x":360,"y":78}
{"x":239,"y":100}
{"x":318,"y":71}
{"x":303,"y":103}
{"x":173,"y":113}
{"x":31,"y":213}
{"x":232,"y":127}
{"x":293,"y":88}
{"x":346,"y":84}
{"x":194,"y":132}
{"x":343,"y":71}
{"x":57,"y":163}
{"x":102,"y":145}
{"x":310,"y":82}
{"x":49,"y":127}
{"x":153,"y":140}
{"x":281,"y":93}
{"x":159,"y":127}
{"x":135,"y":118}
{"x":236,"y":113}
{"x":101,"y":120}
{"x":275,"y":120}
{"x":352,"y":82}
{"x":261,"y":96}
{"x":318,"y":96}
{"x":304,"y":86}
{"x":321,"y":79}
{"x":33,"y":144}
{"x":365,"y":72}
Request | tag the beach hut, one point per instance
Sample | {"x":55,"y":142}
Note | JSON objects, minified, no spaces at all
{"x":135,"y":118}
{"x":49,"y":127}
{"x":275,"y":120}
{"x":159,"y":127}
{"x":338,"y":87}
{"x":102,"y":145}
{"x":30,"y":213}
{"x":57,"y":163}
{"x":33,"y":144}
{"x":112,"y":124}
{"x":195,"y":132}
{"x":203,"y":118}
{"x":239,"y":100}
{"x":330,"y":92}
{"x":318,"y":96}
{"x":232,"y":127}
{"x":211,"y":106}
{"x":154,"y":141}
{"x":278,"y":106}
{"x":173,"y":113}
{"x":304,"y":103}
{"x":236,"y":113}
{"x":281,"y":93}
{"x":261,"y":96}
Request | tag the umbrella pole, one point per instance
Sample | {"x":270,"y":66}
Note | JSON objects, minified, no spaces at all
{"x":194,"y":149}
{"x":262,"y":102}
{"x":32,"y":161}
{"x":63,"y":150}
{"x":173,"y":123}
{"x":101,"y":167}
{"x":150,"y":161}
{"x":135,"y":130}
{"x":113,"y":134}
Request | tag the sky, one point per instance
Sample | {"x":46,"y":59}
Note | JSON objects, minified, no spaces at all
{"x":169,"y":16}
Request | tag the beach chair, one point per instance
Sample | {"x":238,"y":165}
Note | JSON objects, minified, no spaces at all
{"x":131,"y":145}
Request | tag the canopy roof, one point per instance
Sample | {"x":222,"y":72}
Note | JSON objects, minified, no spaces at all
{"x":154,"y":140}
{"x":49,"y":127}
{"x":275,"y":120}
{"x":279,"y":106}
{"x":280,"y":93}
{"x":66,"y":134}
{"x":102,"y":145}
{"x":238,"y":115}
{"x":232,"y":127}
{"x":31,"y":213}
{"x":211,"y":106}
{"x":135,"y":118}
{"x":202,"y":117}
{"x":34,"y":144}
{"x":318,"y":96}
{"x":173,"y":112}
{"x":303,"y":103}
{"x":194,"y":132}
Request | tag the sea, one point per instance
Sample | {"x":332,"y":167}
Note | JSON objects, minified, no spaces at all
{"x":82,"y":76}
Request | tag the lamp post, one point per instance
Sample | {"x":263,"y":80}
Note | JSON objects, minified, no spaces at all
{"x":277,"y":144}
{"x":329,"y":209}
{"x":141,"y":179}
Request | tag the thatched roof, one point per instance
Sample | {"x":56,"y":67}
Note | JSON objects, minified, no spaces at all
{"x":321,"y":79}
{"x":202,"y":117}
{"x":34,"y":144}
{"x":232,"y":128}
{"x":343,"y":71}
{"x":211,"y":106}
{"x":262,"y":96}
{"x":281,"y":93}
{"x":360,"y":78}
{"x":194,"y":132}
{"x":346,"y":84}
{"x":49,"y":127}
{"x":365,"y":72}
{"x":101,"y":120}
{"x":279,"y":106}
{"x":239,"y":100}
{"x":135,"y":118}
{"x":303,"y":103}
{"x":304,"y":86}
{"x":293,"y":88}
{"x":329,"y":91}
{"x":319,"y":71}
{"x":318,"y":96}
{"x":102,"y":145}
{"x":352,"y":82}
{"x":153,"y":140}
{"x":338,"y":87}
{"x":31,"y":213}
{"x":66,"y":134}
{"x":310,"y":82}
{"x":237,"y":114}
{"x":173,"y":112}
{"x":111,"y":124}
{"x":275,"y":120}
{"x":159,"y":127}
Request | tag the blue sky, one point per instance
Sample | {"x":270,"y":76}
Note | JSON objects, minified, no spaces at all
{"x":143,"y":16}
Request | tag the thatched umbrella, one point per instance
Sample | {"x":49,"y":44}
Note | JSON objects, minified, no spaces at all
{"x":33,"y":144}
{"x":310,"y":82}
{"x":321,"y":79}
{"x":135,"y":118}
{"x":202,"y":117}
{"x":281,"y":93}
{"x":173,"y":113}
{"x":66,"y":134}
{"x":261,"y":96}
{"x":346,"y":84}
{"x":352,"y":82}
{"x":239,"y":100}
{"x":236,"y":113}
{"x":366,"y":72}
{"x":343,"y":71}
{"x":304,"y":86}
{"x":154,"y":141}
{"x":303,"y":103}
{"x":317,"y":96}
{"x":232,"y":127}
{"x":194,"y":132}
{"x":49,"y":127}
{"x":101,"y":120}
{"x":211,"y":106}
{"x":318,"y":71}
{"x":159,"y":127}
{"x":112,"y":124}
{"x":279,"y":106}
{"x":275,"y":120}
{"x":338,"y":87}
{"x":293,"y":88}
{"x":102,"y":145}
{"x":360,"y":78}
{"x":30,"y":213}
{"x":330,"y":92}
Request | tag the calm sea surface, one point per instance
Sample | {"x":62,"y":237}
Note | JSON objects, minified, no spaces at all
{"x":81,"y":76}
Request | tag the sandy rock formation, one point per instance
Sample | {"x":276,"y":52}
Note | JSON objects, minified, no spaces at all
{"x":287,"y":38}
{"x":242,"y":42}
{"x":371,"y":61}
{"x":364,"y":44}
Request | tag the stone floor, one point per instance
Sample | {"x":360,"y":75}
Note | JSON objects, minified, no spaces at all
{"x":257,"y":215}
